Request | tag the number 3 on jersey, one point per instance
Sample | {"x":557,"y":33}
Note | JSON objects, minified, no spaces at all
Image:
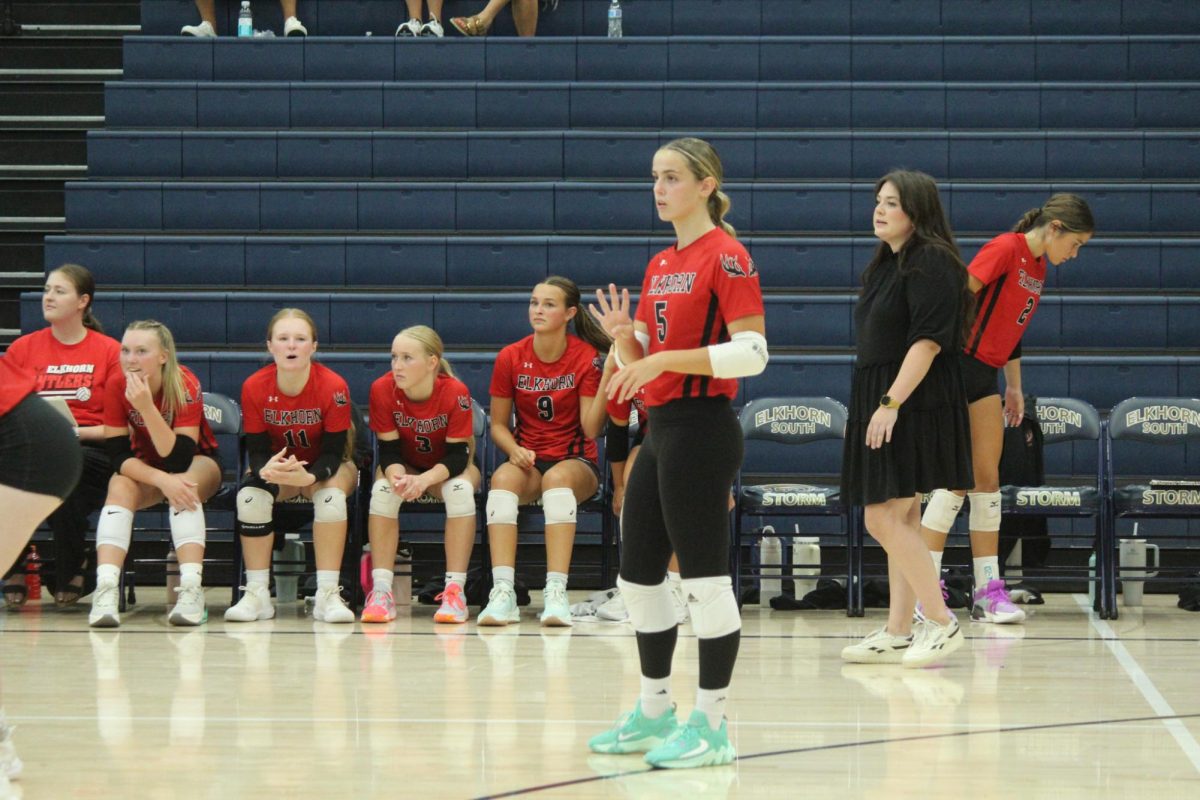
{"x":545,"y":405}
{"x":660,"y":320}
{"x":291,"y":437}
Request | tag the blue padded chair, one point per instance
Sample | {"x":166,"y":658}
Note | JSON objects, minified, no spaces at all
{"x":774,"y":480}
{"x":1170,"y":427}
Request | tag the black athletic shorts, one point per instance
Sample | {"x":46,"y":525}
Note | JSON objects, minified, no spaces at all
{"x":980,"y":380}
{"x":543,"y":465}
{"x":39,"y":451}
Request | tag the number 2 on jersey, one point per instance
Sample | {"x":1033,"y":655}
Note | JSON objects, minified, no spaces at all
{"x":1025,"y":312}
{"x":291,"y":437}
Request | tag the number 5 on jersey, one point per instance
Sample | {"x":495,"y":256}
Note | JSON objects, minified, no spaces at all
{"x":660,"y":320}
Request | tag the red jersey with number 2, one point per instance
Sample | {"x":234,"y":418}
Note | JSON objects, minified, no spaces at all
{"x":118,"y":413}
{"x":1012,"y":287}
{"x":546,"y":396}
{"x":296,"y":422}
{"x":423,"y":426}
{"x":688,"y":296}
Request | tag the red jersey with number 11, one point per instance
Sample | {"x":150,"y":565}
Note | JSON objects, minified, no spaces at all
{"x":296,"y":422}
{"x":688,"y":296}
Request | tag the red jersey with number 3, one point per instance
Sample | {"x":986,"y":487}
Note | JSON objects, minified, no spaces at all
{"x":688,"y":297}
{"x":16,"y":383}
{"x":296,"y":422}
{"x":546,"y":396}
{"x":75,"y":372}
{"x":118,"y":413}
{"x":1012,"y":287}
{"x":423,"y":426}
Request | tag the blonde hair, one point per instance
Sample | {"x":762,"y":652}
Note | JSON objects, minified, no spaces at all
{"x":431,"y":343}
{"x":174,"y":394}
{"x":703,"y":162}
{"x":586,"y":327}
{"x":1069,"y":210}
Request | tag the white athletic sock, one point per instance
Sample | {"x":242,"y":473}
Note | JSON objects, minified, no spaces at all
{"x":504,"y":575}
{"x":189,"y":574}
{"x":986,"y":569}
{"x":459,"y":578}
{"x":108,"y":573}
{"x":656,"y":696}
{"x":258,"y":578}
{"x":712,"y":703}
{"x":327,"y":579}
{"x":937,"y":561}
{"x":382,"y":580}
{"x":556,"y":577}
{"x":675,"y":578}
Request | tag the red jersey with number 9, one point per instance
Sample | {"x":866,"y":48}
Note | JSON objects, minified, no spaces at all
{"x":423,"y":426}
{"x":546,"y":396}
{"x":1012,"y":287}
{"x":688,"y":297}
{"x":296,"y":422}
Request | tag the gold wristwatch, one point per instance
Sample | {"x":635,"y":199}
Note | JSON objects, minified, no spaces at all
{"x":887,"y":401}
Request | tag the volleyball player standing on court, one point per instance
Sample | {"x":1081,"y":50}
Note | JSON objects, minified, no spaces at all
{"x":699,"y":327}
{"x":299,"y":436}
{"x":72,"y":359}
{"x":908,"y":430}
{"x":1008,"y":275}
{"x":424,"y":422}
{"x":162,"y":449}
{"x":551,"y":380}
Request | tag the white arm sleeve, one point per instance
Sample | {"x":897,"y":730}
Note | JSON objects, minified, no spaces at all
{"x":642,"y":338}
{"x":743,"y":355}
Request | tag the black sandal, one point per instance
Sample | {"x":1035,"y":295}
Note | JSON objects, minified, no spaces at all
{"x":15,"y":594}
{"x":70,"y":595}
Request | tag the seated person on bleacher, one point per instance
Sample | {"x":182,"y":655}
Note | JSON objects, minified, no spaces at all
{"x":299,"y":426}
{"x":162,"y":450}
{"x":208,"y":20}
{"x":414,"y":27}
{"x":525,"y":16}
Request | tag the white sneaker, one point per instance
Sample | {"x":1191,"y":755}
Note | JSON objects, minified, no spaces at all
{"x":432,"y":28}
{"x":556,"y":611}
{"x":293,"y":27}
{"x":10,"y":762}
{"x":679,"y":598}
{"x":932,"y":643}
{"x":410,"y":28}
{"x":254,"y":605}
{"x":502,"y":607}
{"x":330,"y":607}
{"x":879,"y":647}
{"x":613,"y":609}
{"x":106,"y":602}
{"x":204,"y":30}
{"x":189,"y":607}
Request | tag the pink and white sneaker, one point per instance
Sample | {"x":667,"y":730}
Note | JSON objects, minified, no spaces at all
{"x":454,"y":607}
{"x":992,"y":604}
{"x":380,"y":607}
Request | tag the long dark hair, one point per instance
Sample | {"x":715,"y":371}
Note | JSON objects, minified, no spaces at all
{"x":586,"y":328}
{"x":85,"y":284}
{"x":931,"y":229}
{"x":1069,"y":210}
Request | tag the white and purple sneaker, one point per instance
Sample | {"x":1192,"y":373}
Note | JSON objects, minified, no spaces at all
{"x":992,"y":604}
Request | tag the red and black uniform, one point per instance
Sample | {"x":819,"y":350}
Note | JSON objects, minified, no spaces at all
{"x":118,"y":413}
{"x":77,"y":373}
{"x":678,"y":491}
{"x":546,"y":397}
{"x":423,"y":426}
{"x":616,"y":440}
{"x":38,"y":450}
{"x":1012,"y":281}
{"x":313,"y":425}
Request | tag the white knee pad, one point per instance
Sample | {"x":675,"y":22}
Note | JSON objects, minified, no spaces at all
{"x":459,"y":496}
{"x":187,"y":527}
{"x":384,"y":501}
{"x":559,"y":506}
{"x":985,"y":511}
{"x":115,"y":527}
{"x":942,"y":510}
{"x":650,"y":608}
{"x":254,"y":505}
{"x":501,"y":507}
{"x":713,"y":606}
{"x":329,"y":505}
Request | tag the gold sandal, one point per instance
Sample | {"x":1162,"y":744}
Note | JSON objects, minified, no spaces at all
{"x":469,"y":26}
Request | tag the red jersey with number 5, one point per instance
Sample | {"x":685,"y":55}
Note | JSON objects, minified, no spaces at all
{"x":546,"y":396}
{"x":688,"y":297}
{"x":296,"y":422}
{"x":1012,"y":287}
{"x":423,"y":426}
{"x":118,"y":413}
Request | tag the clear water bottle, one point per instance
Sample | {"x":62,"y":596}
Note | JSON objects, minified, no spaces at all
{"x":245,"y":20}
{"x":289,"y":565}
{"x":770,"y":564}
{"x":806,"y":563}
{"x":614,"y":20}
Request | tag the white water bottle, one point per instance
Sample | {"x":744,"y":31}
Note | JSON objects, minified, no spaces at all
{"x":770,"y":562}
{"x":402,"y":579}
{"x":245,"y":20}
{"x":806,"y":563}
{"x":614,"y":20}
{"x":289,"y":564}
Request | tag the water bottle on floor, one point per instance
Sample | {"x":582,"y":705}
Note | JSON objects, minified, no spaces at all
{"x":806,"y":563}
{"x":289,"y":564}
{"x":614,"y":20}
{"x":402,"y":581}
{"x":770,"y":564}
{"x":245,"y":20}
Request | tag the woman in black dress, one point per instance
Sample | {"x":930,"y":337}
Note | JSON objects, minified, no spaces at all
{"x":909,"y":430}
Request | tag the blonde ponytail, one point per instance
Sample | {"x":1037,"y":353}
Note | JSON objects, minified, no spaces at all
{"x":174,"y":393}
